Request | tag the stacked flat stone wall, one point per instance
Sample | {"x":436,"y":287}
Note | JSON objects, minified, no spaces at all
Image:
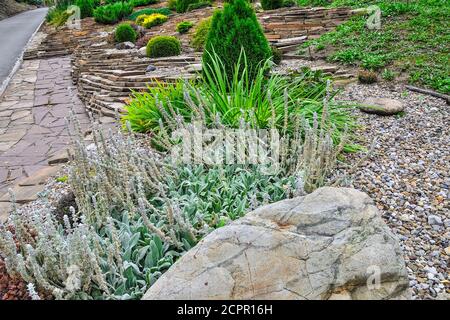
{"x":296,"y":22}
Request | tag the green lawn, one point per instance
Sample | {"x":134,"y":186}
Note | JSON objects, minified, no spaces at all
{"x":413,"y":41}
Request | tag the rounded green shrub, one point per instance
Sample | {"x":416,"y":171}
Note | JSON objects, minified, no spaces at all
{"x":163,"y":46}
{"x":271,"y":4}
{"x":125,"y":32}
{"x":86,"y":8}
{"x":184,"y":26}
{"x":233,"y":30}
{"x":200,"y":34}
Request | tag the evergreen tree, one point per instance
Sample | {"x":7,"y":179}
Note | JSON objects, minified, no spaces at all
{"x":234,"y":28}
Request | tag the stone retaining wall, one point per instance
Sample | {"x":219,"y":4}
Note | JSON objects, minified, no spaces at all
{"x":295,"y":22}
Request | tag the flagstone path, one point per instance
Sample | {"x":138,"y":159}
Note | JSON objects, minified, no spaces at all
{"x":33,"y":132}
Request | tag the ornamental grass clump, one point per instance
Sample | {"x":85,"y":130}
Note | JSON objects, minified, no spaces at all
{"x":258,"y":101}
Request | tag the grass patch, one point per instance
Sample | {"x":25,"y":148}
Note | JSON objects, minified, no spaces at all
{"x":413,"y":40}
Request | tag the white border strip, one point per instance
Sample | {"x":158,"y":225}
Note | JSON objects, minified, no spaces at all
{"x":18,"y":61}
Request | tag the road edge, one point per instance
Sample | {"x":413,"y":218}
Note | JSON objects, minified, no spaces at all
{"x":18,"y":62}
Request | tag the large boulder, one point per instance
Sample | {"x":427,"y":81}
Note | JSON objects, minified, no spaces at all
{"x":331,"y":244}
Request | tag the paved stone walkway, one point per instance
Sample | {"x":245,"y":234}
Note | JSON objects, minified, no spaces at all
{"x":33,"y":131}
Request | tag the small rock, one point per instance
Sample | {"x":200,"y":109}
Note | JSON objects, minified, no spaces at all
{"x":382,"y":106}
{"x":150,"y":68}
{"x":447,"y":251}
{"x":142,"y":52}
{"x":435,"y":220}
{"x":125,"y":45}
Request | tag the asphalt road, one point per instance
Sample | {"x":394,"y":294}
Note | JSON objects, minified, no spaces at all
{"x":14,"y":35}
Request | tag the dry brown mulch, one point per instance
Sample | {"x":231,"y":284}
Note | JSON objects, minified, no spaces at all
{"x":11,"y":288}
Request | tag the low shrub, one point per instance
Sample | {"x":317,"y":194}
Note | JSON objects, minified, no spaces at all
{"x":184,"y":26}
{"x":271,"y":4}
{"x":388,"y":75}
{"x":367,"y":76}
{"x":276,"y":55}
{"x":198,"y":5}
{"x":112,"y":13}
{"x":149,"y":11}
{"x":153,"y":20}
{"x":182,"y":5}
{"x":163,"y":46}
{"x":86,"y":8}
{"x":125,"y":32}
{"x":289,"y":3}
{"x":172,"y":5}
{"x":201,"y":34}
{"x":140,"y":19}
{"x":138,"y":3}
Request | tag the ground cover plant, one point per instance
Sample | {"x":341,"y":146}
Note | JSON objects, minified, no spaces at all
{"x":154,"y":19}
{"x":182,"y":6}
{"x":184,"y":26}
{"x":413,"y":41}
{"x":149,"y":11}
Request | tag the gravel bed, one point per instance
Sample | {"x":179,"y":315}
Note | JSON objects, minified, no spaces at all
{"x":408,"y":176}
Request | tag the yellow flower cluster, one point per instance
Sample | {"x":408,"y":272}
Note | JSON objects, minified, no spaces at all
{"x":148,"y":21}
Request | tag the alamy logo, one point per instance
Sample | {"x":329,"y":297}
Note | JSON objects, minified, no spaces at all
{"x":374,"y":20}
{"x":74,"y":20}
{"x":197,"y":144}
